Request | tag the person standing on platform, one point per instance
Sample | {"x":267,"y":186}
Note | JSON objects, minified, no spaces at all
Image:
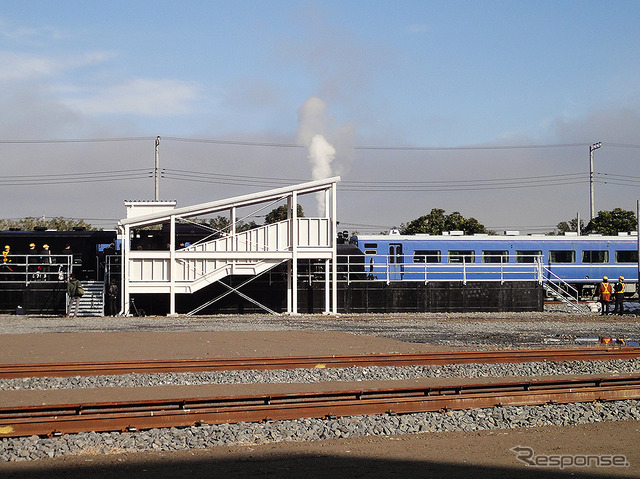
{"x":605,"y":290}
{"x":618,"y":289}
{"x":33,"y":258}
{"x":68,"y":251}
{"x":45,"y":259}
{"x":6,"y":263}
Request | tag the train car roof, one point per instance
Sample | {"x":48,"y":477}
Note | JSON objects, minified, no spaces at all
{"x":632,"y":236}
{"x":45,"y":233}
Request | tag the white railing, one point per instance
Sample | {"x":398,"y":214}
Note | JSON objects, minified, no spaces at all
{"x":391,"y":268}
{"x":28,"y":268}
{"x":241,"y":253}
{"x":560,"y":287}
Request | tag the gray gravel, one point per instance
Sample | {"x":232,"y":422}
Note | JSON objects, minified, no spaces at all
{"x":506,"y":330}
{"x":372,"y":373}
{"x":469,"y":330}
{"x":34,"y":447}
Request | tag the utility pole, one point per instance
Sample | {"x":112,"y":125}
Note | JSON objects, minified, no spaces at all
{"x":592,"y":203}
{"x":156,"y":173}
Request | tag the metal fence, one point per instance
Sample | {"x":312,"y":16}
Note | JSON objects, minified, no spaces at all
{"x":29,"y":268}
{"x":458,"y":268}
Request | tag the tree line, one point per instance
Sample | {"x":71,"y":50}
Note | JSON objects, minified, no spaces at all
{"x":608,"y":223}
{"x":435,"y":223}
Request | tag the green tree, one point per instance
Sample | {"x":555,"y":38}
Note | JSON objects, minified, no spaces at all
{"x":437,"y":222}
{"x":567,"y":226}
{"x":222,"y":224}
{"x":280,"y":214}
{"x":613,"y":222}
{"x":58,"y":223}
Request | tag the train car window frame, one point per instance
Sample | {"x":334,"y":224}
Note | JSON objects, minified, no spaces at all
{"x":527,"y":255}
{"x":495,"y":256}
{"x":461,"y":256}
{"x":560,"y":256}
{"x":395,"y":254}
{"x":427,"y":256}
{"x":371,"y":249}
{"x":631,"y":256}
{"x":600,"y":255}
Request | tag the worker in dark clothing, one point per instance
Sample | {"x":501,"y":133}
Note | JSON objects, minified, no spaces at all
{"x":75,"y":292}
{"x":113,"y":298}
{"x":618,"y":289}
{"x":33,"y":260}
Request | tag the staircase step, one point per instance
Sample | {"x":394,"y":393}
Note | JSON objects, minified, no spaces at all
{"x":92,"y":301}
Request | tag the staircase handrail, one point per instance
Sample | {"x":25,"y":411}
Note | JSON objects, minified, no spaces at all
{"x":567,"y":291}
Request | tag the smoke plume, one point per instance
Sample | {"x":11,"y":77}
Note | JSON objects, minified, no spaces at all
{"x":320,"y":153}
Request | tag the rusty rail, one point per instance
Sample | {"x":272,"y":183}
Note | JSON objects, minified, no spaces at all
{"x":52,"y":420}
{"x":292,"y":362}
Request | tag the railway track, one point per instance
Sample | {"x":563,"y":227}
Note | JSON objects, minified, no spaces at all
{"x":58,"y":419}
{"x":132,"y":415}
{"x":8,"y":371}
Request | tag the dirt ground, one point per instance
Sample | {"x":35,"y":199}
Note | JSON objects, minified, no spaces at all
{"x":451,"y":455}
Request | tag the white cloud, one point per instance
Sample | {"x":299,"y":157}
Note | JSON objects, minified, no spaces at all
{"x":29,"y":34}
{"x":20,"y":67}
{"x":147,"y":97}
{"x":14,"y":66}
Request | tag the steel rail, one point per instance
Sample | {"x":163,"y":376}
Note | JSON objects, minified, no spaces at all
{"x":53,"y":420}
{"x":292,"y":362}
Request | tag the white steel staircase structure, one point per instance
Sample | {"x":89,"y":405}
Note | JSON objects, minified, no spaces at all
{"x":188,"y":269}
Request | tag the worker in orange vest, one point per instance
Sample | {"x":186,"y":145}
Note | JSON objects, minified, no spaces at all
{"x":605,"y":289}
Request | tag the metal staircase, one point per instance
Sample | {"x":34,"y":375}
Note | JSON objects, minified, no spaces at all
{"x":92,"y":301}
{"x":209,"y":263}
{"x":562,"y":291}
{"x":247,"y":253}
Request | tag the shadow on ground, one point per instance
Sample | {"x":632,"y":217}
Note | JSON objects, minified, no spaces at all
{"x":285,"y":465}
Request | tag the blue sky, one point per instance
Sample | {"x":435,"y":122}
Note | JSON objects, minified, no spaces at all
{"x":455,"y":78}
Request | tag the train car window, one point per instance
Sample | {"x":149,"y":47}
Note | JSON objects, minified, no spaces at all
{"x":626,"y":256}
{"x":426,"y":256}
{"x":527,"y":256}
{"x":395,"y":253}
{"x":370,"y":245}
{"x":460,"y":256}
{"x":595,"y":256}
{"x":495,"y":256}
{"x":562,"y":256}
{"x":370,"y":251}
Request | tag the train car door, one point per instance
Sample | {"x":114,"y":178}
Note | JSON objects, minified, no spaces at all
{"x":396,"y":262}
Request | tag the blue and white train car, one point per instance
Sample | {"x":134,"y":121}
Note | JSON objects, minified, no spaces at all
{"x":580,"y":261}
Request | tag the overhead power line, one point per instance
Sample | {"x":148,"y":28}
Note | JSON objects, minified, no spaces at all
{"x":27,"y":141}
{"x":67,"y":178}
{"x":477,"y":184}
{"x":386,"y":186}
{"x":73,"y":140}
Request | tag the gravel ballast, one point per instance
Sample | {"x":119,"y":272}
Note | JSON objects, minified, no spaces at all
{"x":172,"y":439}
{"x":508,"y":330}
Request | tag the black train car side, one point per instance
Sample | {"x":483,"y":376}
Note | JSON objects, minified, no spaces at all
{"x":39,"y":285}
